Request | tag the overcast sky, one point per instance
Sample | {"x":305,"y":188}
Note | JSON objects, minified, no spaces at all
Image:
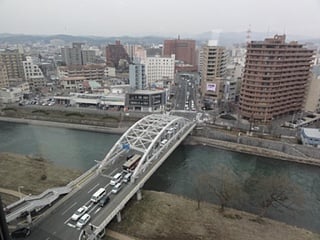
{"x":164,"y":17}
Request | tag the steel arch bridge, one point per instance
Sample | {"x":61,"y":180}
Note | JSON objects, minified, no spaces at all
{"x":149,"y":137}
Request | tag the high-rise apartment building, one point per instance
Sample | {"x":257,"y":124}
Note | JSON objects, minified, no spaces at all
{"x":75,"y":55}
{"x":33,"y":75}
{"x":275,"y":78}
{"x":115,"y":52}
{"x":137,"y":76}
{"x":184,"y":50}
{"x":12,"y":59}
{"x":4,"y":82}
{"x":160,"y":69}
{"x":213,"y":71}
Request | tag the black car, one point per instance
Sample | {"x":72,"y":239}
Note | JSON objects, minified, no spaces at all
{"x":104,"y":200}
{"x":20,"y":233}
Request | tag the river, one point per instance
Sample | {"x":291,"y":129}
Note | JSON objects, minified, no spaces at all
{"x":79,"y":149}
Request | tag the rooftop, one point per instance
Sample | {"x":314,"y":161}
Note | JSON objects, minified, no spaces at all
{"x":312,"y":132}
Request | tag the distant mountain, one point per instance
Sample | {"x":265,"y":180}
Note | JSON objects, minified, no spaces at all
{"x":24,"y":38}
{"x":224,"y":38}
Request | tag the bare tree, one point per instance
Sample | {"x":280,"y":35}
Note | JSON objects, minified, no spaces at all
{"x":226,"y":185}
{"x":198,"y":186}
{"x":276,"y":191}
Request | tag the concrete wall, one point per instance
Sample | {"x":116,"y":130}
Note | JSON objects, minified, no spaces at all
{"x":288,"y":148}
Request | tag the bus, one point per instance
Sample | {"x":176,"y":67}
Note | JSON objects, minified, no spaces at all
{"x":132,"y":162}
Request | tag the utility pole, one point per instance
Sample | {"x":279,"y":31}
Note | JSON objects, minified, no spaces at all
{"x":4,"y":231}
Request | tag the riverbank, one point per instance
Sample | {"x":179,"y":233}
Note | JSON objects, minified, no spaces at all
{"x":75,"y":126}
{"x":30,"y":175}
{"x":166,"y":216}
{"x":191,"y":140}
{"x":158,"y":215}
{"x":196,"y":140}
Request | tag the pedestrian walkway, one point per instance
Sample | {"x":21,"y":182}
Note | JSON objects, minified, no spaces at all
{"x":12,"y":192}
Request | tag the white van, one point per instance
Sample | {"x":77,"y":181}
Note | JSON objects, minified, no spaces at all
{"x":116,"y":188}
{"x":98,"y":195}
{"x":115,"y":179}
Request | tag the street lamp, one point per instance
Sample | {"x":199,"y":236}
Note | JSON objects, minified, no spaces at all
{"x":19,"y":190}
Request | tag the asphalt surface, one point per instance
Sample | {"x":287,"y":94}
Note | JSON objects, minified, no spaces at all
{"x":58,"y":224}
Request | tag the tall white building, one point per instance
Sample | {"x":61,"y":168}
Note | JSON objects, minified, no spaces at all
{"x":159,"y":70}
{"x":137,"y":76}
{"x":33,"y":75}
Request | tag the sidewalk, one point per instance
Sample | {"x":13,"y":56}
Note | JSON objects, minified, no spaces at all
{"x":12,"y":192}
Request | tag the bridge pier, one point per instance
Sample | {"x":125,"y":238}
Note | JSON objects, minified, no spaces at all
{"x":29,"y":218}
{"x":139,"y":195}
{"x":119,"y":217}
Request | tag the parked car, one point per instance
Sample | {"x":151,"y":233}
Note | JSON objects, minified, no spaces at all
{"x":21,"y":233}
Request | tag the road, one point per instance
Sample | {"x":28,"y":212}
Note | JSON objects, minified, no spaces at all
{"x":185,"y":96}
{"x":58,"y":224}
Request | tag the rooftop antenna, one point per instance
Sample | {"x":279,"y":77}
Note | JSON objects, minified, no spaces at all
{"x":248,"y":37}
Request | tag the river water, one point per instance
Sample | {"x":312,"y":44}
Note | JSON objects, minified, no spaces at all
{"x":79,"y":149}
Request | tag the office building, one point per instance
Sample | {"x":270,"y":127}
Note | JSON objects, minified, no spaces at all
{"x":275,"y":80}
{"x":146,"y":101}
{"x":137,"y":76}
{"x":160,"y":69}
{"x":89,"y":72}
{"x":12,"y":59}
{"x":213,"y":71}
{"x":114,"y":53}
{"x":183,"y":49}
{"x":75,"y":55}
{"x":136,"y":53}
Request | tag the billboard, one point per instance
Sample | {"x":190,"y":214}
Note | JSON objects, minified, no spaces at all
{"x":211,"y":87}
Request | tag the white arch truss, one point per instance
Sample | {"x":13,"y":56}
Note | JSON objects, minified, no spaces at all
{"x":144,"y":137}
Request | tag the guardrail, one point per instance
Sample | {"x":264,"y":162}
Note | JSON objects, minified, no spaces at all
{"x":30,"y":203}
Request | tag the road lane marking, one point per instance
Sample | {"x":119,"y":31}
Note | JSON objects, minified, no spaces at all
{"x":71,"y":225}
{"x":97,"y":210}
{"x":112,"y":173}
{"x":68,"y":208}
{"x":65,"y":222}
{"x":92,"y":209}
{"x":105,"y":187}
{"x":93,"y":188}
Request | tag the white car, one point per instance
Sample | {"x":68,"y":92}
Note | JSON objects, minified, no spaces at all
{"x":83,"y":220}
{"x":79,"y":213}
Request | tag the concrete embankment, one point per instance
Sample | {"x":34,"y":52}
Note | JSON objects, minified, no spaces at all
{"x":65,"y":125}
{"x":247,"y":144}
{"x":195,"y":140}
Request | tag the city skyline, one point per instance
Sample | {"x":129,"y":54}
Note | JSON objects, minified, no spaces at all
{"x":138,"y":18}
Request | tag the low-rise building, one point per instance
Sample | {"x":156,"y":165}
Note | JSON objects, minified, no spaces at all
{"x":146,"y":101}
{"x":10,"y":95}
{"x":310,"y":136}
{"x":89,"y":72}
{"x":72,"y":84}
